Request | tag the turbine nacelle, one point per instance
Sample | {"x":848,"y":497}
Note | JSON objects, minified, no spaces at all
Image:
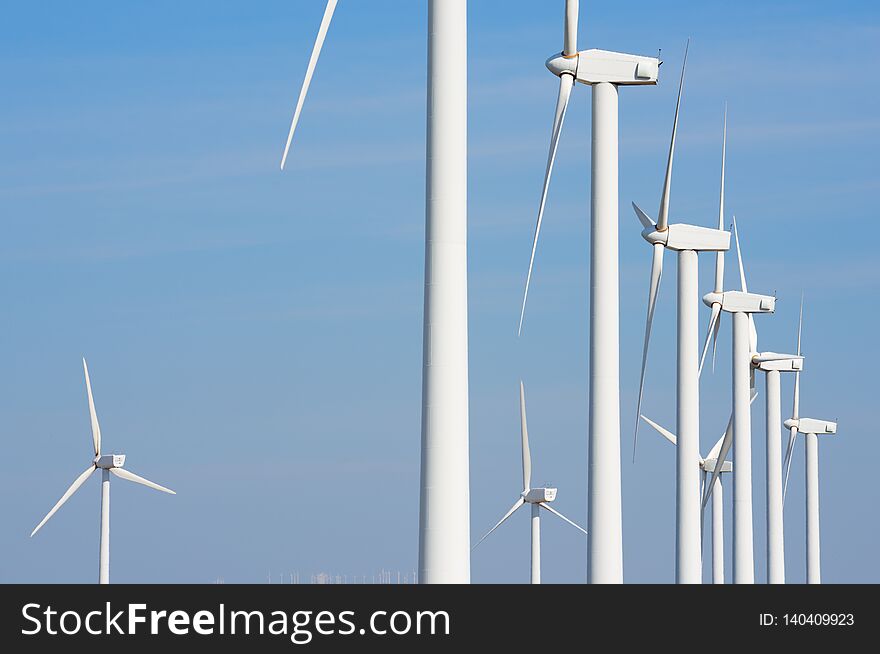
{"x":596,"y":66}
{"x":539,"y":495}
{"x":740,"y":302}
{"x":769,"y":361}
{"x":709,"y":465}
{"x":689,"y":237}
{"x":812,"y":426}
{"x":109,"y":461}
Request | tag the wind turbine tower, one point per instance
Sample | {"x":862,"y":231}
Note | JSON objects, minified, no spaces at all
{"x":444,"y":509}
{"x":606,"y":72}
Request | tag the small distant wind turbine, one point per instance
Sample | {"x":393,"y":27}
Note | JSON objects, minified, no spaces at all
{"x":706,"y":465}
{"x":688,"y":241}
{"x":108,"y":463}
{"x":811,"y":429}
{"x":743,"y":305}
{"x":538,"y":498}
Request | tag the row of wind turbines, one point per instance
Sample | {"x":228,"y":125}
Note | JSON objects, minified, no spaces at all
{"x":444,"y":516}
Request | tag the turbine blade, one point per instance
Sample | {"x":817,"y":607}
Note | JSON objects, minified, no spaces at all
{"x":795,"y":409}
{"x":713,"y":320}
{"x":122,"y":473}
{"x":800,"y":325}
{"x":70,"y":491}
{"x":656,"y":274}
{"x":93,"y":415}
{"x":716,"y":449}
{"x":557,"y":513}
{"x":524,"y":429}
{"x":702,"y":508}
{"x":644,"y":218}
{"x":726,"y":442}
{"x":789,"y":455}
{"x":663,"y":214}
{"x":742,"y":272}
{"x":718,"y":288}
{"x":665,"y":433}
{"x":719,"y":256}
{"x":310,"y":71}
{"x":516,"y":505}
{"x":571,"y":28}
{"x":715,"y":342}
{"x":566,"y":82}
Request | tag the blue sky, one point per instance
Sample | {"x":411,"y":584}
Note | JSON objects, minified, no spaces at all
{"x":255,"y":337}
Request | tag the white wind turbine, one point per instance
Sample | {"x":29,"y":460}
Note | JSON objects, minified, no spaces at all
{"x":108,"y":464}
{"x":537,"y":498}
{"x":605,"y":71}
{"x":743,"y":305}
{"x":773,"y":364}
{"x":811,"y":429}
{"x":706,"y":465}
{"x":444,"y":515}
{"x":688,"y":241}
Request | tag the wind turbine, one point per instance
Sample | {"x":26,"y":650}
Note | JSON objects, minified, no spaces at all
{"x":444,"y":515}
{"x":743,"y":306}
{"x":108,"y":464}
{"x":537,"y":498}
{"x":811,"y":429}
{"x":772,"y":364}
{"x":688,"y":241}
{"x":707,"y":465}
{"x":605,"y":71}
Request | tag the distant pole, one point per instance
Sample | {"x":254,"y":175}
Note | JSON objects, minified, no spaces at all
{"x":104,"y":558}
{"x":536,"y":544}
{"x":775,"y":538}
{"x":814,"y":575}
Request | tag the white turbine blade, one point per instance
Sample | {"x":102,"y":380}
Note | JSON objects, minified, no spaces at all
{"x":524,"y":429}
{"x":665,"y":433}
{"x":800,"y":325}
{"x":789,"y":455}
{"x":310,"y":71}
{"x":516,"y":505}
{"x":557,"y":513}
{"x":722,"y":451}
{"x":663,"y":214}
{"x":571,"y":28}
{"x":566,"y":82}
{"x":719,"y":256}
{"x":122,"y":473}
{"x":744,"y":287}
{"x":719,"y":283}
{"x":702,"y":508}
{"x":70,"y":491}
{"x":795,"y":409}
{"x":713,"y":329}
{"x":656,"y":274}
{"x":93,"y":415}
{"x":753,"y":332}
{"x":715,"y":343}
{"x":644,"y":218}
{"x":716,"y":449}
{"x":726,"y":442}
